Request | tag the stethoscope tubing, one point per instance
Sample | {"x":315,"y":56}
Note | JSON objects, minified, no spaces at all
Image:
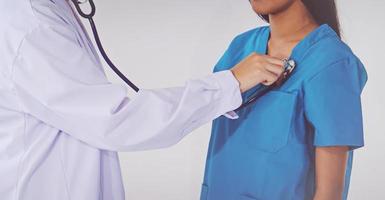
{"x":99,"y":43}
{"x":108,"y":60}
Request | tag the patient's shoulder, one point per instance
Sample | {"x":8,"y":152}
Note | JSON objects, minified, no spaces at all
{"x":241,"y":46}
{"x":255,"y":32}
{"x":250,"y":35}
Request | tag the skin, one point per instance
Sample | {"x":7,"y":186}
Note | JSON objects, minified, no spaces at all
{"x":290,"y":22}
{"x":330,"y":172}
{"x":256,"y":69}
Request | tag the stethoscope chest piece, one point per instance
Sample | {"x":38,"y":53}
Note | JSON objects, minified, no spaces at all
{"x":289,"y":66}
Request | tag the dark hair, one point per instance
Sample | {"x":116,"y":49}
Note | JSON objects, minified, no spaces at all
{"x":323,"y":12}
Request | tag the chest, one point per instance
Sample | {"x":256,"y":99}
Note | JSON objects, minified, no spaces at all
{"x":276,"y":119}
{"x":281,"y":50}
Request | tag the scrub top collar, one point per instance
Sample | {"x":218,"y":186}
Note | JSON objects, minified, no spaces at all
{"x":318,"y":34}
{"x":299,"y":51}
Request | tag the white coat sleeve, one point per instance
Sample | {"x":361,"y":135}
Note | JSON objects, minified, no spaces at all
{"x":59,"y":83}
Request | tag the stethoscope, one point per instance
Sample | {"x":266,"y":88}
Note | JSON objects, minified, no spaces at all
{"x":90,"y":16}
{"x":289,"y":64}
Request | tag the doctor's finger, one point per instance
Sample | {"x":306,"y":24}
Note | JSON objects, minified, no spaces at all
{"x":275,"y":69}
{"x":269,"y":78}
{"x":275,"y":61}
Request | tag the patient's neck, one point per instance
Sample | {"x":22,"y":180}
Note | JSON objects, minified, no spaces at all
{"x":288,"y":28}
{"x":292,"y":24}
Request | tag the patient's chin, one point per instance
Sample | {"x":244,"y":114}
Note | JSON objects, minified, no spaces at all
{"x":267,"y":7}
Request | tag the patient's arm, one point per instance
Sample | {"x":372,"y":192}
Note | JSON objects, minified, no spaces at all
{"x":330,"y":164}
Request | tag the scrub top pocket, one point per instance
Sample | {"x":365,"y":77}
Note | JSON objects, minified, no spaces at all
{"x":272,"y":118}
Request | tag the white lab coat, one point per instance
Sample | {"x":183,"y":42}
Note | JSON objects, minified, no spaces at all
{"x":62,"y":121}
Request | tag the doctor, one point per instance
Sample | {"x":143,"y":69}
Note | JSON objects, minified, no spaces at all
{"x":62,"y":121}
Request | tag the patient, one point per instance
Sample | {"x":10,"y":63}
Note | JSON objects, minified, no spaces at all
{"x":297,"y":141}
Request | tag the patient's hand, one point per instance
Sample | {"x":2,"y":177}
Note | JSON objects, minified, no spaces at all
{"x":256,"y":69}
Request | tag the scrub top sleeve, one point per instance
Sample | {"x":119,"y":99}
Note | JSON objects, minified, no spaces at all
{"x":227,"y":59}
{"x":59,"y":83}
{"x":332,"y":104}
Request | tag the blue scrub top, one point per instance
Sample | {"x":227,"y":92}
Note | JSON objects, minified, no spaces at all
{"x":269,"y":152}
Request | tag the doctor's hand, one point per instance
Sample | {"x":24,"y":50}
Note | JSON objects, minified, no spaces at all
{"x":256,"y":69}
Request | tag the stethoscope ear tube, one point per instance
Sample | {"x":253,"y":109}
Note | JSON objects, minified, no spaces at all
{"x":77,"y":4}
{"x":90,"y":16}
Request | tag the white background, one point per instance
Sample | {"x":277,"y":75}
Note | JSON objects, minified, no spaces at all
{"x":163,"y":43}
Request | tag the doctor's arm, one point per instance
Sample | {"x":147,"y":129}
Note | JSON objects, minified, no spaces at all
{"x":60,"y":84}
{"x":330,"y":167}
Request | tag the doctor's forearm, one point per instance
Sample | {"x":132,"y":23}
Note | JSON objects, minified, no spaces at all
{"x":175,"y":112}
{"x":162,"y":117}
